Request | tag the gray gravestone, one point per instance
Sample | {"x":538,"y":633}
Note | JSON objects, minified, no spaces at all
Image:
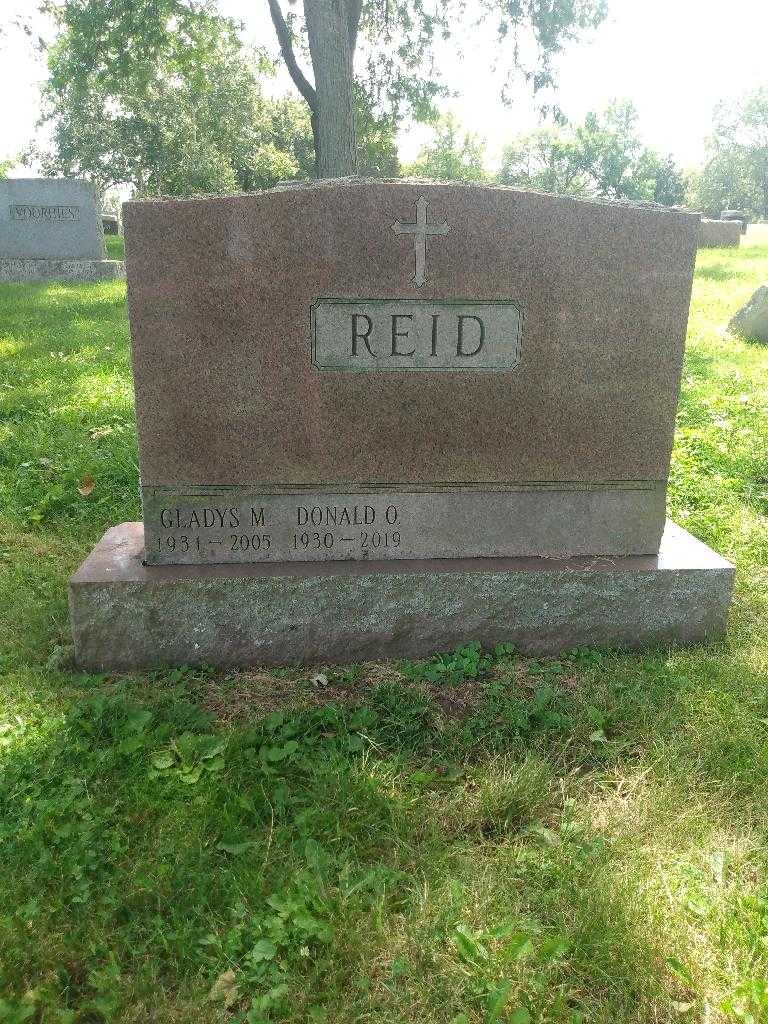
{"x":425,"y":382}
{"x":719,"y":234}
{"x":738,"y":215}
{"x":51,"y":227}
{"x":751,"y":321}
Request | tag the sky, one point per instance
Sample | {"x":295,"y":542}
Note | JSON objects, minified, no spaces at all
{"x":675,"y":59}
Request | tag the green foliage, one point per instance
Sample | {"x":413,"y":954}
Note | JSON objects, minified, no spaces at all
{"x":376,"y":135}
{"x":735,"y":175}
{"x":292,"y":134}
{"x":610,"y":148}
{"x":166,"y":98}
{"x":603,"y":156}
{"x":722,"y":184}
{"x":466,"y":662}
{"x":451,"y":156}
{"x":399,"y":77}
{"x":547,"y":160}
{"x":659,"y":179}
{"x":162,"y":97}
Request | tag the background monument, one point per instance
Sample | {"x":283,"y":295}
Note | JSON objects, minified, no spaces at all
{"x":719,"y":234}
{"x":51,"y":228}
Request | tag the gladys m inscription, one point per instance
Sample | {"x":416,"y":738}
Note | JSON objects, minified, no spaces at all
{"x":412,"y":334}
{"x":260,"y":439}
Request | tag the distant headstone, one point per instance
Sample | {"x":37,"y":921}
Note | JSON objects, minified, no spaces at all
{"x":738,"y":215}
{"x":376,"y":418}
{"x":715,"y":234}
{"x":110,"y":223}
{"x":751,"y":321}
{"x":51,"y":227}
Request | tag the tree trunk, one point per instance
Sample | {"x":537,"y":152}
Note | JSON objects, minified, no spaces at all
{"x":333,"y":121}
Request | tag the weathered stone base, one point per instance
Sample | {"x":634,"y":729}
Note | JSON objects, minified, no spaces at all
{"x":128,"y":616}
{"x":19,"y":270}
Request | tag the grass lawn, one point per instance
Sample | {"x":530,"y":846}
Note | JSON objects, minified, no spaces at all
{"x":115,"y":247}
{"x":480,"y":839}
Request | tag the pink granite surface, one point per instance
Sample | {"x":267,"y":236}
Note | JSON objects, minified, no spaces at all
{"x":220,"y":291}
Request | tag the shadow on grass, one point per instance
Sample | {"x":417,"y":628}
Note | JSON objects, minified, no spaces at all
{"x":379,"y":859}
{"x":699,"y":363}
{"x":754,"y":340}
{"x":720,"y":272}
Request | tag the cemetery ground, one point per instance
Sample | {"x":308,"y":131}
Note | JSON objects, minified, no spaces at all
{"x":476,"y":838}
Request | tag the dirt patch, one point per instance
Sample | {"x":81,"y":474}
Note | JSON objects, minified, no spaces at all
{"x":243,"y":695}
{"x":239,"y":696}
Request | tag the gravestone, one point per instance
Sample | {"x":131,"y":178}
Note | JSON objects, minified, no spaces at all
{"x":738,"y":215}
{"x":751,"y":321}
{"x":110,"y":223}
{"x":714,"y":234}
{"x":379,"y":418}
{"x":51,"y":228}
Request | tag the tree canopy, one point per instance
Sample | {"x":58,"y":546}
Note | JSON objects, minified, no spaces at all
{"x":453,"y":155}
{"x":603,"y":156}
{"x":396,"y":69}
{"x":164,"y":97}
{"x":735,"y":174}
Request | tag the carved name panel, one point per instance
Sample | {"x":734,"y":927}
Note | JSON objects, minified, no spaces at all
{"x":66,"y":214}
{"x":411,"y":334}
{"x":49,"y":219}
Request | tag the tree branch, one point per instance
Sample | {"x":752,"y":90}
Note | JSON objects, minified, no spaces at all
{"x":286,"y":48}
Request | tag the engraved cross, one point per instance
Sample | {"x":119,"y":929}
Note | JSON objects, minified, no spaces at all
{"x":420,"y":230}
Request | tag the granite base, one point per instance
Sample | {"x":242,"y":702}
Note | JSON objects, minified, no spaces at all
{"x":126,"y":615}
{"x":22,"y":270}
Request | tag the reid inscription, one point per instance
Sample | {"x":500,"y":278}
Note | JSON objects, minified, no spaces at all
{"x":411,"y":334}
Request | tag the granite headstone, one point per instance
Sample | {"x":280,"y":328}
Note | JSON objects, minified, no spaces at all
{"x":751,"y":321}
{"x":719,"y":234}
{"x":408,"y":415}
{"x":738,"y":215}
{"x":399,"y":370}
{"x":51,"y":227}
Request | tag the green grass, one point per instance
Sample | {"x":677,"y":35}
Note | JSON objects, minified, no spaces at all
{"x":115,"y":247}
{"x":474,"y":840}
